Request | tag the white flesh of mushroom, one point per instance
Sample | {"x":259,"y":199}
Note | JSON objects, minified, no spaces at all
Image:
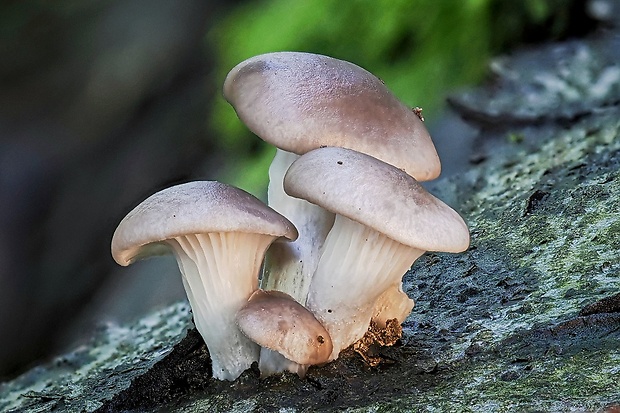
{"x":357,"y":266}
{"x":271,"y":362}
{"x":394,"y":303}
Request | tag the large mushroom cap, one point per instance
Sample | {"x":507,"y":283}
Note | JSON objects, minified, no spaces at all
{"x":377,"y":195}
{"x":194,"y":208}
{"x":276,"y":321}
{"x":302,"y":101}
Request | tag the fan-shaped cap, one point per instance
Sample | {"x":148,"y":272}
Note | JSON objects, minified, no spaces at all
{"x":302,"y":101}
{"x":195,"y":208}
{"x":377,"y":195}
{"x":276,"y":321}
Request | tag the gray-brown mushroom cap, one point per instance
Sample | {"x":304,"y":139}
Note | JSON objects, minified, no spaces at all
{"x":276,"y":321}
{"x":377,"y":195}
{"x":302,"y":101}
{"x":194,"y":208}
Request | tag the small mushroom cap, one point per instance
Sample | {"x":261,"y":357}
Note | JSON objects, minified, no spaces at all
{"x":377,"y":195}
{"x":276,"y":321}
{"x":194,"y":208}
{"x":302,"y":101}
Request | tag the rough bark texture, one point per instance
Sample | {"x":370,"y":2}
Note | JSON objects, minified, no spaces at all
{"x":528,"y":319}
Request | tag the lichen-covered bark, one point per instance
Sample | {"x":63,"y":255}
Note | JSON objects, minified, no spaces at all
{"x":526,"y":320}
{"x":84,"y":379}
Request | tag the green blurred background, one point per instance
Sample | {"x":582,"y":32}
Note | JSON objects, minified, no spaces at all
{"x":104,"y":102}
{"x":422,"y":49}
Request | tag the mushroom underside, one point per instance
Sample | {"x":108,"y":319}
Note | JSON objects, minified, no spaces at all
{"x":220,"y":272}
{"x":357,"y":266}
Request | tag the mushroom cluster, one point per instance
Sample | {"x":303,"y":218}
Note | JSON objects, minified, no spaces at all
{"x":346,"y":218}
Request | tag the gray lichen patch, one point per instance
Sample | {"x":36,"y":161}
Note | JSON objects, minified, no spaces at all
{"x":557,"y":81}
{"x":549,"y":384}
{"x":568,"y":244}
{"x":545,"y":242}
{"x":85,"y":378}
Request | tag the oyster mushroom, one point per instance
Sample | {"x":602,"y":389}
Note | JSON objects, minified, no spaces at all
{"x":384,"y":221}
{"x":219,"y":235}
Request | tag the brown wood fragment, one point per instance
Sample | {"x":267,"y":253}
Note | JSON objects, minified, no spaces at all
{"x":377,"y":336}
{"x":609,"y":304}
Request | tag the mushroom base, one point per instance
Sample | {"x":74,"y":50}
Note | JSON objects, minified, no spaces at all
{"x":220,"y":272}
{"x":357,"y":266}
{"x":271,"y":362}
{"x":393,"y":304}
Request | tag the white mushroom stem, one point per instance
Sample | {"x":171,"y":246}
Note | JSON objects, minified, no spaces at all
{"x":289,"y":266}
{"x":220,"y":272}
{"x":357,"y":266}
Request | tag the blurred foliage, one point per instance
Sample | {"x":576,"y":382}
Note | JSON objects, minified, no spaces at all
{"x":422,"y":50}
